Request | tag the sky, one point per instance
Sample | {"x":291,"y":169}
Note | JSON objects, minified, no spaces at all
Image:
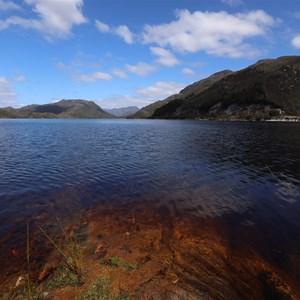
{"x":121,"y":53}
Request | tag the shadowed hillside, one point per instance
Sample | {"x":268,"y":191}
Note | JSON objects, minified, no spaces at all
{"x":186,"y":93}
{"x":270,"y":88}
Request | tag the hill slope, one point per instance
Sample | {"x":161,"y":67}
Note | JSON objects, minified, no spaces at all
{"x":122,"y":111}
{"x":266,"y":89}
{"x":64,"y":109}
{"x":186,"y":93}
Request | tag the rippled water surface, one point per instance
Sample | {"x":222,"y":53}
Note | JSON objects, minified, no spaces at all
{"x":203,"y":168}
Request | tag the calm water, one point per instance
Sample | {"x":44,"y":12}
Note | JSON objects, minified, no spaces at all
{"x":203,"y":168}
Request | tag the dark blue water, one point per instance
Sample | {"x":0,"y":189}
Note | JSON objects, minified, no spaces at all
{"x":204,"y":168}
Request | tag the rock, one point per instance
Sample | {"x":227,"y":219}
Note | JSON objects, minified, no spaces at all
{"x":274,"y":287}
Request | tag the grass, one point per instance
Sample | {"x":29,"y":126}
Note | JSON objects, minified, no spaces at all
{"x":63,"y":277}
{"x":70,"y":251}
{"x":115,"y":262}
{"x":69,"y":273}
{"x":21,"y":293}
{"x":101,"y":290}
{"x":130,"y":267}
{"x":112,"y":262}
{"x":81,"y":234}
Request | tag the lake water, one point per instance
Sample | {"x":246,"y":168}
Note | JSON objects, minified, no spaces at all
{"x":245,"y":171}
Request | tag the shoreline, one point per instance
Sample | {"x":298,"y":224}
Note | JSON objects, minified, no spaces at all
{"x":287,"y":119}
{"x":162,"y":254}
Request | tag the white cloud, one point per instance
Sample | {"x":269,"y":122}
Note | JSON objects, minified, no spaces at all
{"x":233,"y":2}
{"x":142,"y":69}
{"x":188,"y":71}
{"x":76,"y":70}
{"x":7,"y":95}
{"x":143,"y":96}
{"x":216,"y":33}
{"x":55,"y":19}
{"x":160,"y":90}
{"x":296,"y":42}
{"x":166,"y":57}
{"x":124,"y":32}
{"x":8,"y":5}
{"x":102,"y":27}
{"x":93,"y":77}
{"x":119,"y":73}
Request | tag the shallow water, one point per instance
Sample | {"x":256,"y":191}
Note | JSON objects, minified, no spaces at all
{"x":248,"y":173}
{"x":208,"y":168}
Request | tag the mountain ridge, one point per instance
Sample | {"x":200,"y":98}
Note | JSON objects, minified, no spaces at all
{"x":188,"y":91}
{"x":63,"y":109}
{"x":267,"y":89}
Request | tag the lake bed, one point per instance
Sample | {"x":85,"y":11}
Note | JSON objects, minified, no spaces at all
{"x":231,"y":186}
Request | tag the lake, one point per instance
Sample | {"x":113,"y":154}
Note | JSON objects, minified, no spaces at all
{"x":247,"y":173}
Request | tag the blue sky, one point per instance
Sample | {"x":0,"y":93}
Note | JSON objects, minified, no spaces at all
{"x":133,"y":52}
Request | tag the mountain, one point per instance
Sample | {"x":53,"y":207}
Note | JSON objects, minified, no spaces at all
{"x":123,"y":111}
{"x":64,"y":109}
{"x":147,"y":111}
{"x":270,"y":88}
{"x":186,"y":93}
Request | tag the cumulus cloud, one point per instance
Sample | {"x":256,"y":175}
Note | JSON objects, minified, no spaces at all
{"x":188,"y":71}
{"x":160,"y":90}
{"x":296,"y":42}
{"x":166,"y":57}
{"x":119,"y":73}
{"x":216,"y":33}
{"x":233,"y":2}
{"x":7,"y":95}
{"x":9,"y":5}
{"x":55,"y":19}
{"x":143,"y":96}
{"x":102,"y":27}
{"x":93,"y":77}
{"x":122,"y":31}
{"x":79,"y":70}
{"x":142,"y":69}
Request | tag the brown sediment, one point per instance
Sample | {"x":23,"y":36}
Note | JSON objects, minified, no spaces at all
{"x":176,"y":257}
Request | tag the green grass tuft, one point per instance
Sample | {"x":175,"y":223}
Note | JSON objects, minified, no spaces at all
{"x":101,"y":289}
{"x":63,"y":277}
{"x":130,"y":267}
{"x":115,"y":262}
{"x":112,"y":262}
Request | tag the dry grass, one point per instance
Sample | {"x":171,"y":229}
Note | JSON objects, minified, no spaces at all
{"x":70,"y":251}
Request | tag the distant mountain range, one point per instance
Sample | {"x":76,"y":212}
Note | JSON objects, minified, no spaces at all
{"x":123,"y":111}
{"x":268,"y":89}
{"x":64,"y":109}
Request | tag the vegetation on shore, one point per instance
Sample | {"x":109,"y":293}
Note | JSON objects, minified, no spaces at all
{"x":266,"y":90}
{"x":138,"y":253}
